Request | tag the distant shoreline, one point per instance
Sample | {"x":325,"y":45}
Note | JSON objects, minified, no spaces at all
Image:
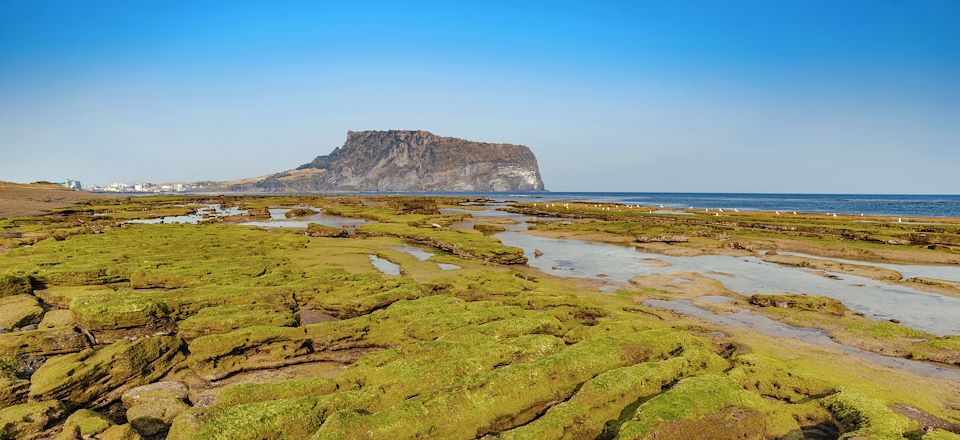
{"x":874,"y":205}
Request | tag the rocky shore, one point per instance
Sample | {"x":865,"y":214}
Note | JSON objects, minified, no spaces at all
{"x":220,"y":330}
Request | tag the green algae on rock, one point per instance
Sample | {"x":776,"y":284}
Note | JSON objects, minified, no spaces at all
{"x":59,"y":318}
{"x":43,"y":342}
{"x":83,"y":424}
{"x":698,"y":396}
{"x":18,"y":311}
{"x":862,"y":417}
{"x":318,"y":230}
{"x":167,"y":389}
{"x":502,"y":398}
{"x":488,"y":228}
{"x":227,"y":318}
{"x":120,"y":432}
{"x":587,"y":413}
{"x":771,"y":378}
{"x":60,"y":296}
{"x":489,"y":350}
{"x":97,"y":377}
{"x":13,"y":390}
{"x":27,"y":420}
{"x":15,"y":284}
{"x":259,"y":392}
{"x":217,"y":356}
{"x":299,"y":212}
{"x":154,"y":416}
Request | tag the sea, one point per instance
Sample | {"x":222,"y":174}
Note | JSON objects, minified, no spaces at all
{"x":868,"y":204}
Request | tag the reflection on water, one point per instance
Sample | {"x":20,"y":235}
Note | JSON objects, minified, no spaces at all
{"x":385,"y":266}
{"x":765,"y":325}
{"x":278,"y":219}
{"x":423,"y":255}
{"x":419,"y":253}
{"x":278,"y":213}
{"x":205,"y":213}
{"x":337,"y":222}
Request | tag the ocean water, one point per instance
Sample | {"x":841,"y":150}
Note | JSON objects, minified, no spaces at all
{"x":868,"y":204}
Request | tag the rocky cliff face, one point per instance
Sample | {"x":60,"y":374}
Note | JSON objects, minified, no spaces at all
{"x":407,"y":160}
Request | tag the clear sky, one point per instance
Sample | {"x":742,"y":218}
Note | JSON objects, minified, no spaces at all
{"x":722,"y":96}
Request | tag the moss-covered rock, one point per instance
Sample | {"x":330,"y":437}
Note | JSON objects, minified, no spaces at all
{"x":83,"y":424}
{"x":217,"y":356}
{"x":295,"y":418}
{"x":151,"y":279}
{"x":113,"y":311}
{"x":223,"y":319}
{"x":15,"y":284}
{"x":111,"y":316}
{"x":167,"y":389}
{"x":19,"y":310}
{"x":57,"y":319}
{"x":97,"y":377}
{"x":482,"y":383}
{"x":820,"y":304}
{"x":772,"y":378}
{"x":487,"y":228}
{"x":28,"y":419}
{"x":154,"y":416}
{"x":299,"y":212}
{"x":940,"y":434}
{"x":208,"y":255}
{"x":347,"y":295}
{"x":603,"y":398}
{"x":13,"y":390}
{"x":318,"y":230}
{"x":260,"y":392}
{"x":694,"y":405}
{"x":60,"y":296}
{"x":503,"y":398}
{"x":42,"y":342}
{"x":120,"y":432}
{"x":864,"y":418}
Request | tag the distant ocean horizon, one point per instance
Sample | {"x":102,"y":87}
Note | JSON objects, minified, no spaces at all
{"x":900,"y":205}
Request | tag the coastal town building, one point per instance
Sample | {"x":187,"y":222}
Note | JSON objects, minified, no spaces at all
{"x":145,"y":187}
{"x":72,"y":184}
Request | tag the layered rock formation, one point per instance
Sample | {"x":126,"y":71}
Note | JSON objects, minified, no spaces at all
{"x":407,"y":160}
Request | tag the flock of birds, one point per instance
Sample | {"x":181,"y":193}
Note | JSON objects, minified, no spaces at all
{"x":566,"y":206}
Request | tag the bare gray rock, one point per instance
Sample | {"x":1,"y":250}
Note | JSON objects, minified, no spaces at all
{"x":408,"y":160}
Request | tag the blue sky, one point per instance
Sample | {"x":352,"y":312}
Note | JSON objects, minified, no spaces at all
{"x":733,"y":96}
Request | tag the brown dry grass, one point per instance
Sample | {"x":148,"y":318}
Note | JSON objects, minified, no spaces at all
{"x":38,"y":198}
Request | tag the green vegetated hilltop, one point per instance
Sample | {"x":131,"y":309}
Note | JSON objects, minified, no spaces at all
{"x":217,"y":330}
